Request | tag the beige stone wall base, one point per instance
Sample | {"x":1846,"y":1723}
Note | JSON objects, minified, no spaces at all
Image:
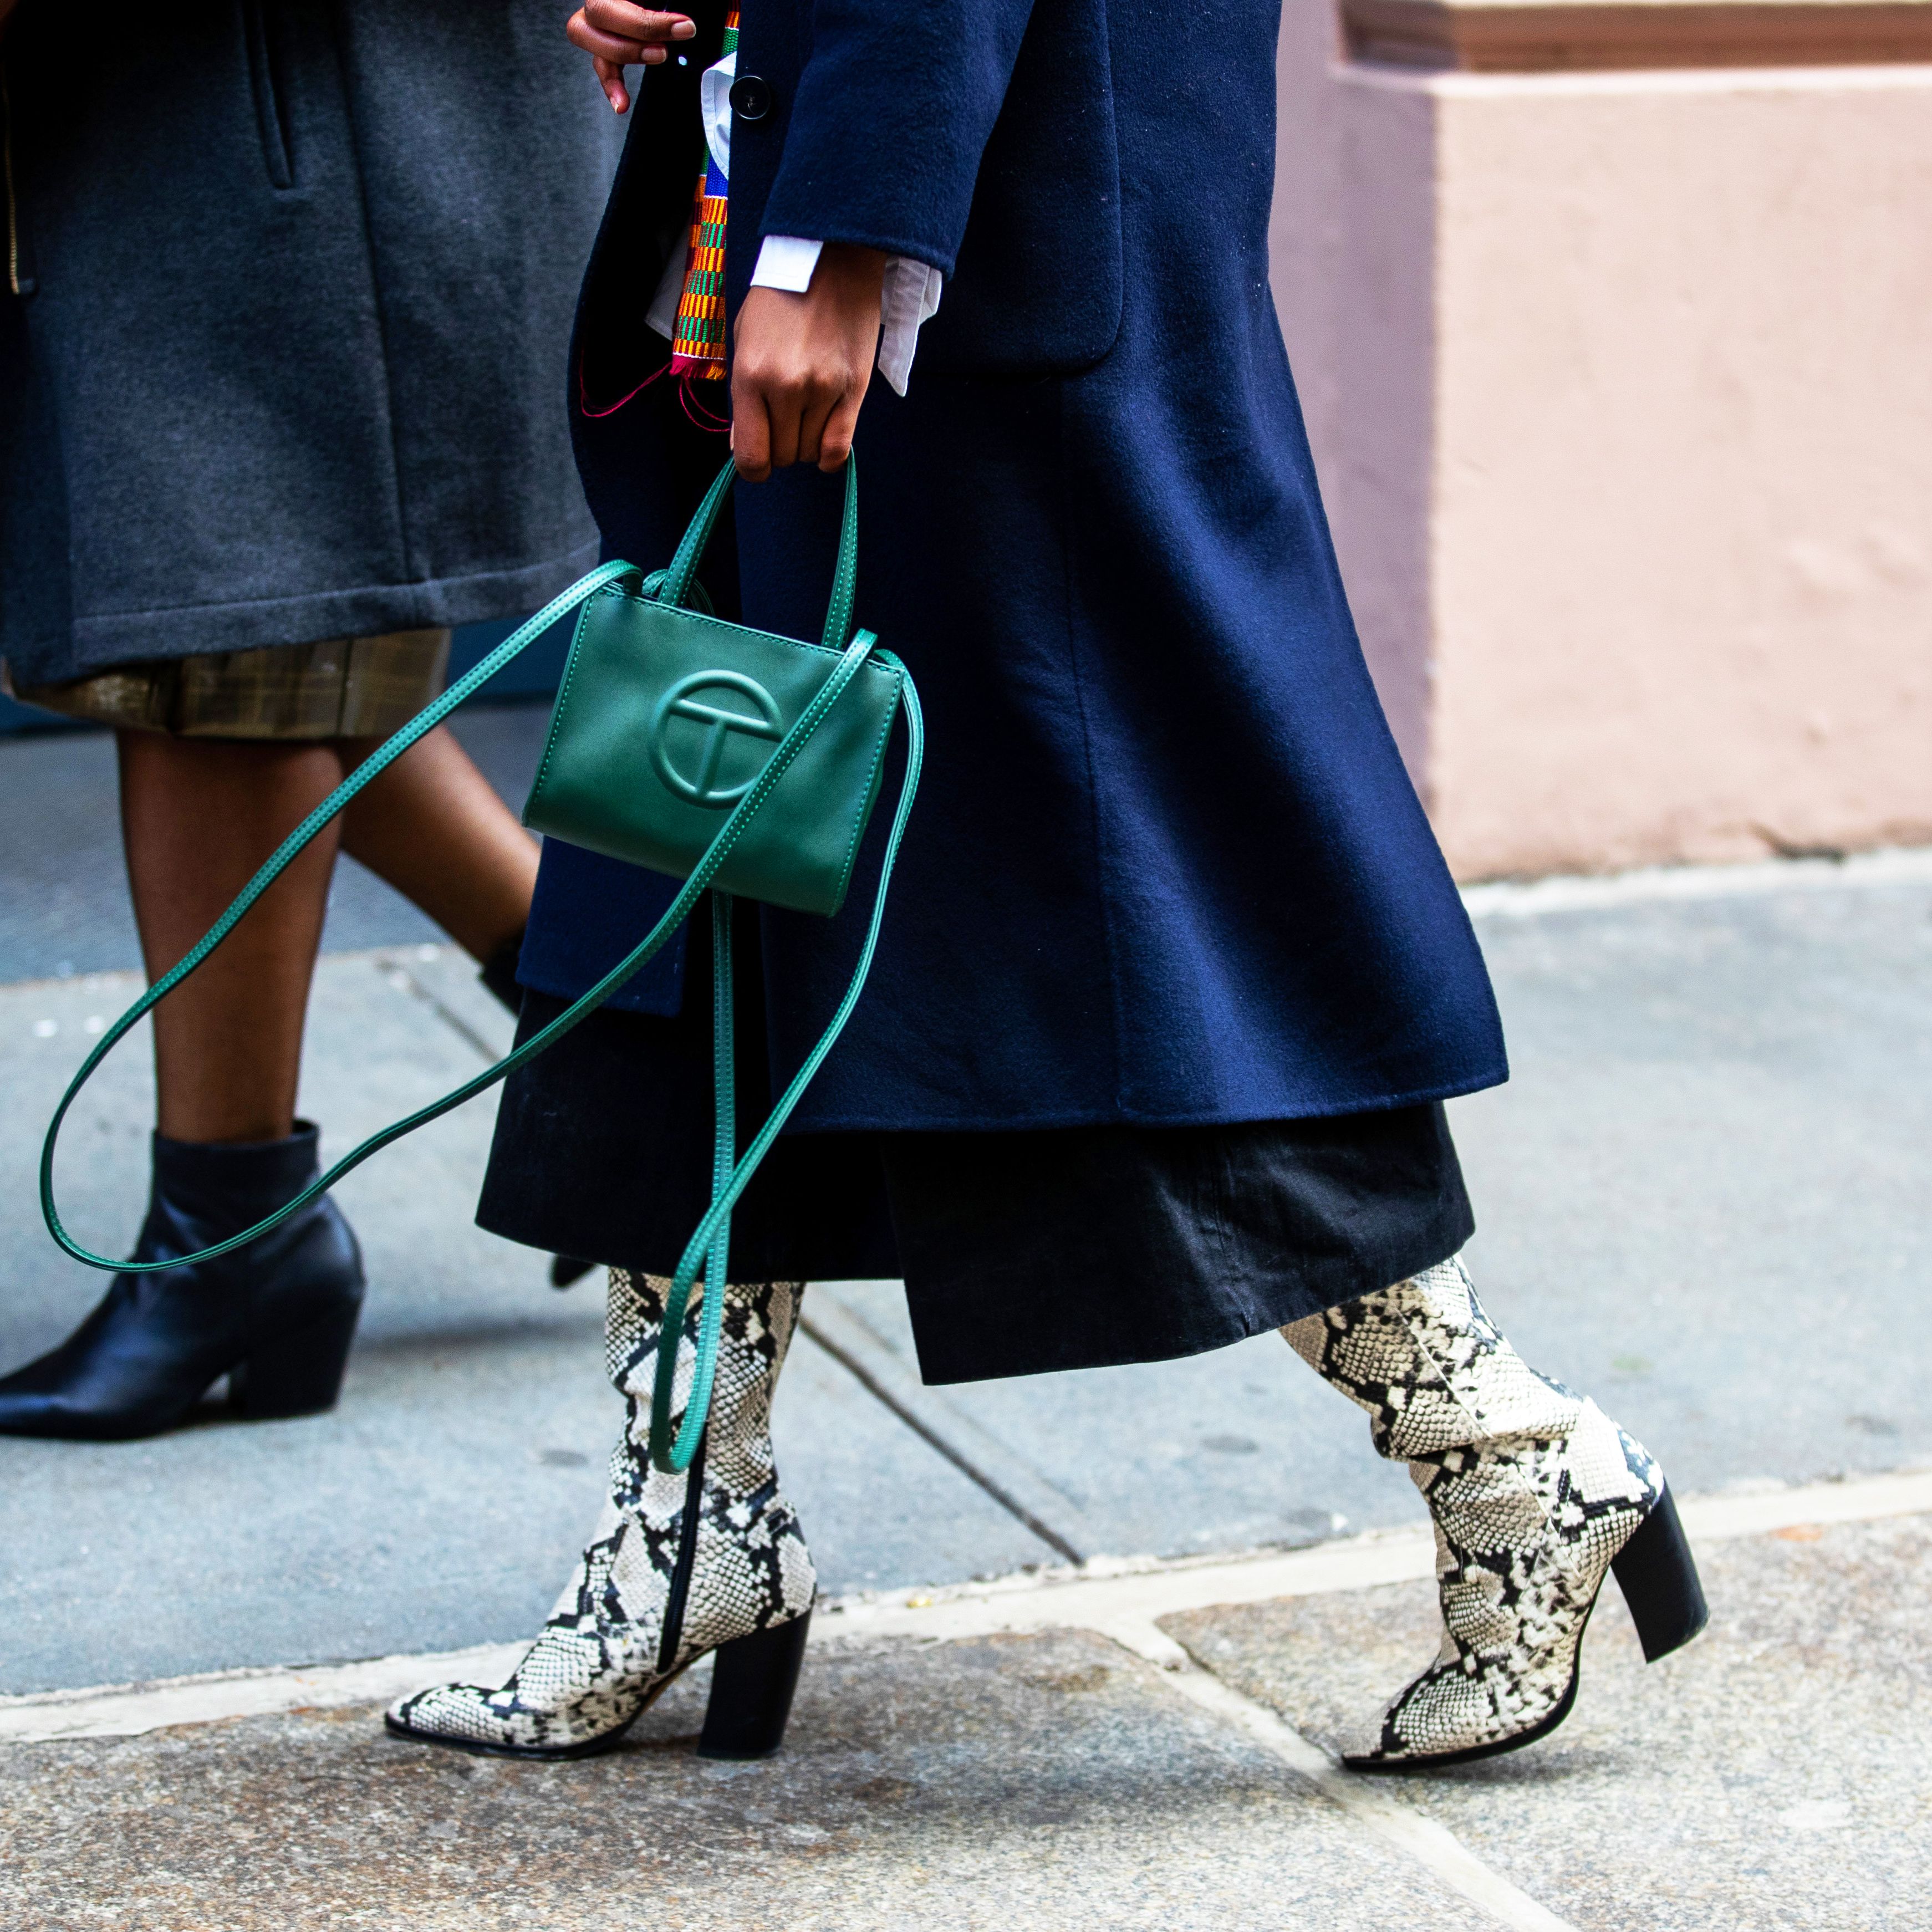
{"x":1620,"y":389}
{"x":1539,"y":36}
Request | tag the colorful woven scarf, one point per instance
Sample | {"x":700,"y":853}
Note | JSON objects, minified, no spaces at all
{"x":697,"y":343}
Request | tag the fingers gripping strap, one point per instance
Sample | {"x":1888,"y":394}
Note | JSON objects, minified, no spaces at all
{"x":707,"y":1246}
{"x":729,"y":833}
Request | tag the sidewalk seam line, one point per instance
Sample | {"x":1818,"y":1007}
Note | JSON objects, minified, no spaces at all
{"x":933,"y":1439}
{"x":1431,"y":1844}
{"x":973,"y":1437}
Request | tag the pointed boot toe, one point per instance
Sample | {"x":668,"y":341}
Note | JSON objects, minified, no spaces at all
{"x":562,"y":1701}
{"x":61,"y":1394}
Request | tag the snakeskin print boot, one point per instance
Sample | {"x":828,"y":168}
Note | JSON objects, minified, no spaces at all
{"x":679,"y":1565}
{"x":1537,"y":1497}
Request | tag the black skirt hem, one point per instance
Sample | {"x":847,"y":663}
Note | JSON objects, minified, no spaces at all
{"x":951,"y":1350}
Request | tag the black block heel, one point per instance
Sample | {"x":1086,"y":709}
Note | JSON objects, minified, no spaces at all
{"x":299,"y":1373}
{"x":1658,"y":1576}
{"x":752,"y":1687}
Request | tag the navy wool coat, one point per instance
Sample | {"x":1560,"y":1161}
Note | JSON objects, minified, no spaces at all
{"x":1166,"y":866}
{"x":283,"y":319}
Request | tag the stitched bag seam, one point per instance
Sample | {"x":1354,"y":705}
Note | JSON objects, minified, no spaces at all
{"x":862,"y":816}
{"x":562,"y":698}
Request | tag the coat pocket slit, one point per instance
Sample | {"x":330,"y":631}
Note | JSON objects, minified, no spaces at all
{"x":271,"y":120}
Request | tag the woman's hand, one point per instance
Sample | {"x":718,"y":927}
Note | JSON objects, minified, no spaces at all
{"x":800,"y":364}
{"x":616,"y":35}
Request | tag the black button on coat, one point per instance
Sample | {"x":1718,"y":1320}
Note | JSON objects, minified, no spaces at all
{"x":750,"y":98}
{"x":1166,"y":866}
{"x":293,"y":365}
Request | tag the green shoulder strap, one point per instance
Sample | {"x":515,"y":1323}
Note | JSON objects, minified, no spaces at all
{"x":729,"y":1178}
{"x":706,"y":1251}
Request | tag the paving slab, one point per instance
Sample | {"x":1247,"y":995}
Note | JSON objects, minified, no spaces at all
{"x":1233,"y":1450}
{"x":1774,"y":1774}
{"x":1703,"y":1196}
{"x":1008,"y":1783}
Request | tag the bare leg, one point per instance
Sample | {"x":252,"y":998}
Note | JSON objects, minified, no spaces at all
{"x":198,"y":816}
{"x":432,"y":827}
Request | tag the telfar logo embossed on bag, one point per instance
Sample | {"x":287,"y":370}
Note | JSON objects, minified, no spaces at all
{"x":689,"y":732}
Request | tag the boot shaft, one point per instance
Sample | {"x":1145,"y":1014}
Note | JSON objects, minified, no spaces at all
{"x":226,"y":1186}
{"x":1434,"y":1372}
{"x":759,"y":1320}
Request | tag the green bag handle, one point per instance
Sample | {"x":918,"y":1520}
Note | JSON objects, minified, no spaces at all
{"x":729,"y":1179}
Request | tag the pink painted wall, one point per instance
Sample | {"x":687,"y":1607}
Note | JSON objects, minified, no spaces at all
{"x":1353,"y":240}
{"x":1621,"y":388}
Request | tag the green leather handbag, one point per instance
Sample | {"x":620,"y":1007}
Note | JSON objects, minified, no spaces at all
{"x":707,"y":700}
{"x":747,"y":764}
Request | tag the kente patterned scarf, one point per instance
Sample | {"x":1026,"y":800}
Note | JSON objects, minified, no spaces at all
{"x":697,"y":342}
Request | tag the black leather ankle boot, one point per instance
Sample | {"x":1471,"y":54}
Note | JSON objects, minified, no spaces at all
{"x":276,"y":1317}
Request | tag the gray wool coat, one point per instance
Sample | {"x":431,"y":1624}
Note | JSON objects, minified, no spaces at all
{"x":283,"y":348}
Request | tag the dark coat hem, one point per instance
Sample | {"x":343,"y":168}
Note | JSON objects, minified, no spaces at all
{"x":367,"y":611}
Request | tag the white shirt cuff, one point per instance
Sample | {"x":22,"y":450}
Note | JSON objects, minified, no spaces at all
{"x":786,"y":262}
{"x":908,"y":297}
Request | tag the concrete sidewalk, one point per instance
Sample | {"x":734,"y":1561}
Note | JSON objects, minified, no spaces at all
{"x":1080,"y":1752}
{"x":1703,"y":1200}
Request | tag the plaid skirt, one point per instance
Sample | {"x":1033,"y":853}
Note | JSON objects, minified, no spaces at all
{"x":341,"y":688}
